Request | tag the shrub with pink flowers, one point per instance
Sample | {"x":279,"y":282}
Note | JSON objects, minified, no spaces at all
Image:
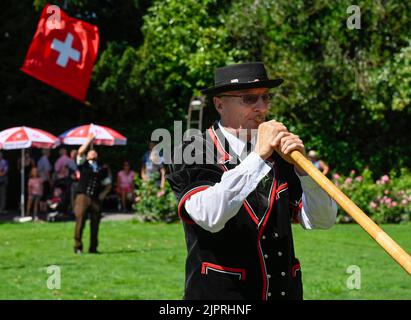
{"x":387,"y":200}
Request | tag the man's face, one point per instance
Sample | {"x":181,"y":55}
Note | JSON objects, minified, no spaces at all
{"x":92,"y":155}
{"x":238,"y":114}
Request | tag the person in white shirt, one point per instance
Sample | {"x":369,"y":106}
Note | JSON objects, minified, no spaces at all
{"x":93,"y":186}
{"x":237,"y":214}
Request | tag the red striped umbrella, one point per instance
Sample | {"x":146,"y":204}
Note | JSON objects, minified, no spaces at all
{"x":103,"y":135}
{"x":25,"y":137}
{"x":22,"y":138}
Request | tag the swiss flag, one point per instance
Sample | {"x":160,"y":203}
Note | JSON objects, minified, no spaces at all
{"x":63,"y":52}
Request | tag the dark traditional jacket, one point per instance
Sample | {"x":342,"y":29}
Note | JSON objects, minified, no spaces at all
{"x":252,"y":257}
{"x":91,"y":178}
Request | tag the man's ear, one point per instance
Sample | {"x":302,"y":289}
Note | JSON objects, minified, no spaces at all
{"x":218,"y":104}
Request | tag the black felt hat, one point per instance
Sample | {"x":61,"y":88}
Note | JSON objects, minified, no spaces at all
{"x":241,"y":76}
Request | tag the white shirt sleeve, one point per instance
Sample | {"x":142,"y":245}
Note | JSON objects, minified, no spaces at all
{"x":80,"y":160}
{"x":213,"y":207}
{"x":319,"y":211}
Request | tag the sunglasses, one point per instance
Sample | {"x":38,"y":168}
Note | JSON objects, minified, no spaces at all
{"x":250,"y":99}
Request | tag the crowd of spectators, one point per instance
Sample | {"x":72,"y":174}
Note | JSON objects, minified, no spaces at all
{"x":52,"y":187}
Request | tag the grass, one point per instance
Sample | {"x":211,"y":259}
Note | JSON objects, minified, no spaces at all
{"x":146,"y":261}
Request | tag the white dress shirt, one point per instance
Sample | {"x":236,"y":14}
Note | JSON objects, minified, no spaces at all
{"x":214,"y":206}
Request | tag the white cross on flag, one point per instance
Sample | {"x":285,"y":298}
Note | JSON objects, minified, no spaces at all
{"x":63,"y":52}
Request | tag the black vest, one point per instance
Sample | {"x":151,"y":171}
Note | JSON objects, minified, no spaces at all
{"x":90,"y":180}
{"x":252,"y":257}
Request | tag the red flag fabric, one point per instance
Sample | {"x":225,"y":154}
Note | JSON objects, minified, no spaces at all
{"x":63,"y":52}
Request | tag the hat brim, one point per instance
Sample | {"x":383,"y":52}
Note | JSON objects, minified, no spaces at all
{"x":241,"y":86}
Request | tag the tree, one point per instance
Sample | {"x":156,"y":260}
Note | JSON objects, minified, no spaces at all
{"x":346,"y":92}
{"x":27,"y":101}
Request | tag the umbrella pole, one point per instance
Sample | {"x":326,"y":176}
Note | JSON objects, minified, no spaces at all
{"x":22,"y":204}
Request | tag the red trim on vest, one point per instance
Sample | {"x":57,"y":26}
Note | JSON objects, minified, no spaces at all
{"x":283,"y":186}
{"x":184,"y":199}
{"x":250,"y":213}
{"x":261,"y":229}
{"x":224,"y":155}
{"x":295,"y":211}
{"x":207,"y":265}
{"x":295,"y":268}
{"x":259,"y":235}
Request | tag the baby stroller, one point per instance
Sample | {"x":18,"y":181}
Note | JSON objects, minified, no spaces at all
{"x":56,"y":203}
{"x":53,"y":203}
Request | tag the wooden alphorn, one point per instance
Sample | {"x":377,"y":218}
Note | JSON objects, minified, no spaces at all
{"x":383,"y":239}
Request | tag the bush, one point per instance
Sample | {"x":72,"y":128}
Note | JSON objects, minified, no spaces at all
{"x":387,"y":200}
{"x":151,"y":206}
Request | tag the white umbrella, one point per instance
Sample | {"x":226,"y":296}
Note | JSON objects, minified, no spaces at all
{"x":102,"y":135}
{"x":22,"y":138}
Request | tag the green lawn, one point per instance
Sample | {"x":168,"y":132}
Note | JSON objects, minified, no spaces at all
{"x":146,"y":261}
